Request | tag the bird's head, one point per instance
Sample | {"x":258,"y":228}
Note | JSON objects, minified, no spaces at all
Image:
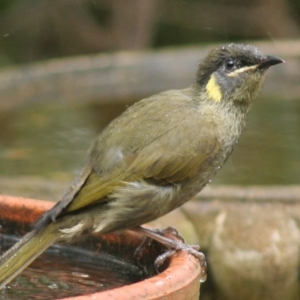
{"x":234,"y":72}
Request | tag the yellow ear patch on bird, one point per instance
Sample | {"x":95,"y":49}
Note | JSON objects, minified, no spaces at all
{"x":213,"y":89}
{"x":242,"y":70}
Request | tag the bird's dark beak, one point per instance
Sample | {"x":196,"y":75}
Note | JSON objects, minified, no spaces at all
{"x":269,"y":61}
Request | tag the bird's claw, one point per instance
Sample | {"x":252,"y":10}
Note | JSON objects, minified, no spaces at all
{"x":173,"y":241}
{"x":191,"y":249}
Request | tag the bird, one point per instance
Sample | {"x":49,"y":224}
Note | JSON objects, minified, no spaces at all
{"x":157,"y":155}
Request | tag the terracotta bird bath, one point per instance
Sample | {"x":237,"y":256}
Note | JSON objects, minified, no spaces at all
{"x":180,"y":279}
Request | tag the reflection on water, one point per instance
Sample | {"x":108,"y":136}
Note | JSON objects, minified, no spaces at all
{"x":51,"y":141}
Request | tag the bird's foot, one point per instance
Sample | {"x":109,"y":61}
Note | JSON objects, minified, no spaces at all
{"x":168,"y":232}
{"x":173,"y":241}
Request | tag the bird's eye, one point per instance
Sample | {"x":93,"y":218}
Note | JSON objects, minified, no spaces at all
{"x":229,"y":64}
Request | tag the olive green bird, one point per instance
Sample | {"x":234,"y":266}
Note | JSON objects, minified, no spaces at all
{"x":154,"y":157}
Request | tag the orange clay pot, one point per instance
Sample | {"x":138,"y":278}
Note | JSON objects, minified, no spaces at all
{"x":179,"y":281}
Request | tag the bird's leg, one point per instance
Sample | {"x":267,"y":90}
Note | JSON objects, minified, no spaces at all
{"x":138,"y":253}
{"x":174,"y":242}
{"x":168,"y":232}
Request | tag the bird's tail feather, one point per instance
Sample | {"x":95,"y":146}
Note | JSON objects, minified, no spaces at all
{"x":19,"y":256}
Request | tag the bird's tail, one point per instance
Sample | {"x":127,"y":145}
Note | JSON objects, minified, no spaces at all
{"x":19,"y":256}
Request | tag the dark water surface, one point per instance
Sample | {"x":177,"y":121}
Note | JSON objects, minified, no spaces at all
{"x":51,"y":141}
{"x":65,"y":271}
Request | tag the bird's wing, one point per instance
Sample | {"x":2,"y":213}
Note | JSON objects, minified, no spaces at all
{"x":161,"y":139}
